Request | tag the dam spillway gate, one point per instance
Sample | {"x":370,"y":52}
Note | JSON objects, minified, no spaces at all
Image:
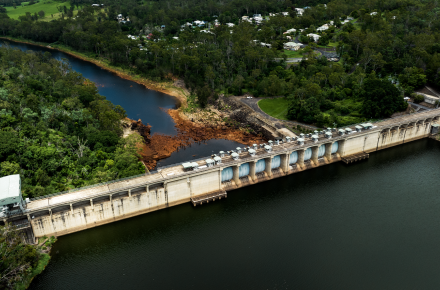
{"x":83,"y":208}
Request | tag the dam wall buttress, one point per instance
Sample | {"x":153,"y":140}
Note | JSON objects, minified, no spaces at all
{"x":89,"y":207}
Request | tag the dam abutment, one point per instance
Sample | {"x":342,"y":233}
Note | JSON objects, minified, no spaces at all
{"x":89,"y":207}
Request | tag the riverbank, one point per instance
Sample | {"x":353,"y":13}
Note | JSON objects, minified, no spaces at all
{"x":193,"y":125}
{"x":44,"y":246}
{"x":161,"y":146}
{"x":172,"y":88}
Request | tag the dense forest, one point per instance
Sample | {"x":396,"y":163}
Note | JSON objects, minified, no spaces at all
{"x":21,"y":262}
{"x":393,"y":41}
{"x":56,"y":131}
{"x":390,"y":49}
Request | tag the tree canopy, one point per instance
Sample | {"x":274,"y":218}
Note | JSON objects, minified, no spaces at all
{"x":380,"y":98}
{"x":56,"y":131}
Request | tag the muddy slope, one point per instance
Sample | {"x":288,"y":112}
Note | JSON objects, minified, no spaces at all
{"x":160,"y":146}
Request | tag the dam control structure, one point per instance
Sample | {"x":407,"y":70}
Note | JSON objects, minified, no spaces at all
{"x":201,"y":181}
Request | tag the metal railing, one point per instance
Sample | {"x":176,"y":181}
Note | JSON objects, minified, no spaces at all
{"x":261,"y":153}
{"x":92,"y":186}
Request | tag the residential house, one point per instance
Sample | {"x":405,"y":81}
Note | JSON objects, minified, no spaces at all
{"x":292,"y":46}
{"x":323,"y":27}
{"x":299,"y":11}
{"x":315,"y":37}
{"x":291,"y":30}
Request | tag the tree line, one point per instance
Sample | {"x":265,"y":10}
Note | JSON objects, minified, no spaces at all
{"x":56,"y":131}
{"x":395,"y":41}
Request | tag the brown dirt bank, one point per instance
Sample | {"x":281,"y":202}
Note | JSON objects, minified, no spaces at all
{"x":168,"y":88}
{"x":159,"y":146}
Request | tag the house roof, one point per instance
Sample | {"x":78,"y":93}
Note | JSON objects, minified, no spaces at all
{"x":292,"y":44}
{"x":10,"y":191}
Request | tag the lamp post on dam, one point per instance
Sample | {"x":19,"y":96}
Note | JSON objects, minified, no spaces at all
{"x":208,"y":179}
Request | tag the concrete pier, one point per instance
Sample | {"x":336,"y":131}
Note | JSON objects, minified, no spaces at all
{"x":89,"y":207}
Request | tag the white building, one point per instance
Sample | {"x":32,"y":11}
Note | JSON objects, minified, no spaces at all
{"x":292,"y":46}
{"x":10,"y":195}
{"x":323,"y":27}
{"x":315,"y":37}
{"x":291,"y":30}
{"x":299,"y":11}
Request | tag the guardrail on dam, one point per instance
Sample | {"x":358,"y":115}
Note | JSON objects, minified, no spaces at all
{"x":86,"y":208}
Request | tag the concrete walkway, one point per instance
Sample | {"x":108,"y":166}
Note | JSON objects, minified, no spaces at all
{"x":419,"y":107}
{"x":290,"y":59}
{"x":253,"y":103}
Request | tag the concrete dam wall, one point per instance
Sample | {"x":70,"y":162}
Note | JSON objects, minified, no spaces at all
{"x":74,"y":211}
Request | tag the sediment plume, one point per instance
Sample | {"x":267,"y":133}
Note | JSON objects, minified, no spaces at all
{"x":160,"y":146}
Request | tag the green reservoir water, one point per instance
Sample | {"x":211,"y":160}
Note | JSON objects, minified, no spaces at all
{"x":370,"y":225}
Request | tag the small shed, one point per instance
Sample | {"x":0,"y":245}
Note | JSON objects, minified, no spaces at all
{"x":187,"y":166}
{"x":10,"y":191}
{"x":217,"y":160}
{"x":234,"y":156}
{"x":209,"y":162}
{"x":252,"y":152}
{"x":367,"y":125}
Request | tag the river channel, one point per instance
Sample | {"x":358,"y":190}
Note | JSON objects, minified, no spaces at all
{"x":139,"y":102}
{"x":369,"y":225}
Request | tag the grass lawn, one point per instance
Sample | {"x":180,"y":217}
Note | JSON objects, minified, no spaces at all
{"x":356,"y":25}
{"x":48,"y":6}
{"x":276,"y":108}
{"x":293,"y":53}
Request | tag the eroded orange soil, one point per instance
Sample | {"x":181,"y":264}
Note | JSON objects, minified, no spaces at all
{"x":160,"y":146}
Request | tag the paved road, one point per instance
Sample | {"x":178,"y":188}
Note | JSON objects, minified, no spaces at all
{"x":253,"y":104}
{"x":420,"y":106}
{"x":290,"y":59}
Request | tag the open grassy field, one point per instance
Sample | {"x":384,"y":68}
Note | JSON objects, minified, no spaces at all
{"x":276,"y":108}
{"x":293,"y":53}
{"x":48,"y":6}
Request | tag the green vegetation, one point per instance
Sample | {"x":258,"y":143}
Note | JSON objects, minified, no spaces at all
{"x":21,"y":262}
{"x":57,"y":132}
{"x":42,"y":263}
{"x":400,"y":46}
{"x":293,"y":53}
{"x":48,"y":6}
{"x":276,"y":107}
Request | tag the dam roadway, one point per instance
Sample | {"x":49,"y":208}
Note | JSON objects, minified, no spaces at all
{"x":60,"y":214}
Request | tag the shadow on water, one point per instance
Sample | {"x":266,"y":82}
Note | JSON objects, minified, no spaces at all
{"x":139,"y":102}
{"x":369,"y":225}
